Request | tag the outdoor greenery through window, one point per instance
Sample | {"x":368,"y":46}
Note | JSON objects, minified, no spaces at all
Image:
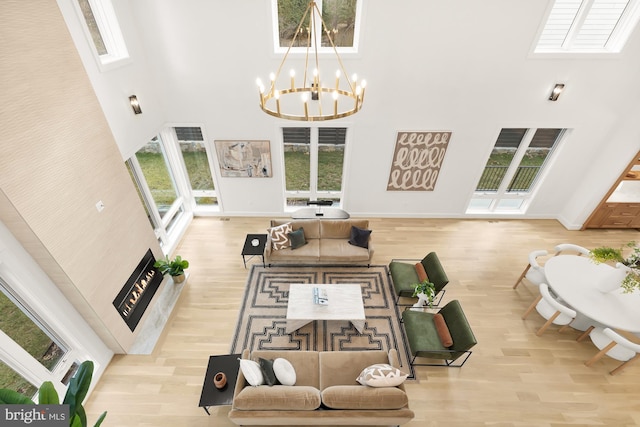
{"x":514,"y":167}
{"x":314,"y":162}
{"x":340,"y":17}
{"x":196,"y":161}
{"x":24,"y":328}
{"x":155,"y":168}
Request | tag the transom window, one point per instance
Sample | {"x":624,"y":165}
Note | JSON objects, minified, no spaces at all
{"x":588,"y":26}
{"x":341,"y":17}
{"x":103,"y":30}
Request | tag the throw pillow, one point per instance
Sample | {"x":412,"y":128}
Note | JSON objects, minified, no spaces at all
{"x":443,"y":330}
{"x":297,"y":238}
{"x":381,"y":375}
{"x":285,"y":373}
{"x":280,"y":236}
{"x":266,"y":366}
{"x":359,"y":237}
{"x":252,"y":372}
{"x":422,"y":274}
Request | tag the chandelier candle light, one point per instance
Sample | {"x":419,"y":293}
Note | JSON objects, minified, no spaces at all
{"x":329,"y":101}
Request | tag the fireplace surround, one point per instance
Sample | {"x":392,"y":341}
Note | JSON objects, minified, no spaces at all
{"x":136,"y":294}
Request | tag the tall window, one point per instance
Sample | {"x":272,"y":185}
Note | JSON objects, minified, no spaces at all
{"x":103,"y":30}
{"x":513,"y":169}
{"x":342,"y":18}
{"x":31,"y":352}
{"x":314,"y":163}
{"x":588,"y":26}
{"x":197,"y":162}
{"x":153,"y":174}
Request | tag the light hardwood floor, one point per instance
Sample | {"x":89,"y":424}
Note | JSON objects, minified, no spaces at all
{"x":513,"y":377}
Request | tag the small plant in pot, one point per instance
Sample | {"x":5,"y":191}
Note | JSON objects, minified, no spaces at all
{"x":175,"y":267}
{"x":606,"y":254}
{"x":426,"y":292}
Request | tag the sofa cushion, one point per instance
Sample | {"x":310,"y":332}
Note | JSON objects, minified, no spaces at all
{"x":308,"y":253}
{"x":297,"y":238}
{"x":311,"y":226}
{"x":381,"y":375}
{"x":280,"y":236}
{"x":343,"y":367}
{"x":338,"y":229}
{"x":284,"y":370}
{"x":266,"y":365}
{"x":341,"y":250}
{"x":305,"y":364}
{"x":359,"y":237}
{"x":251,"y":372}
{"x":278,"y":398}
{"x":362,"y":397}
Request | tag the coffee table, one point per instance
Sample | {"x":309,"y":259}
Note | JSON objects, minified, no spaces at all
{"x":254,"y":246}
{"x":211,"y":396}
{"x":345,"y":303}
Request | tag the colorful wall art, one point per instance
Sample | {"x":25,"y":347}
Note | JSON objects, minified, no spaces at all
{"x":417,"y":160}
{"x":250,"y":159}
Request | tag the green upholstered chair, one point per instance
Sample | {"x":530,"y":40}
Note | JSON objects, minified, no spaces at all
{"x":425,"y":342}
{"x":404,"y":276}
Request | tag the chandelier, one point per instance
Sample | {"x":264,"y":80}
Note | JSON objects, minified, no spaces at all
{"x":314,"y":96}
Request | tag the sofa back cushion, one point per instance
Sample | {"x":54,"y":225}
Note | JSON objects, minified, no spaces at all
{"x":278,"y":398}
{"x":340,"y":229}
{"x":343,"y":367}
{"x":311,"y":226}
{"x":305,"y":364}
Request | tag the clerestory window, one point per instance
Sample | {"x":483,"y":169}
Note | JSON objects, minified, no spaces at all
{"x":341,"y":19}
{"x":588,"y":26}
{"x":102,"y":28}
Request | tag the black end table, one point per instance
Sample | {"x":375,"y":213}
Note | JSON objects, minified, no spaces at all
{"x":254,"y":246}
{"x":211,"y":396}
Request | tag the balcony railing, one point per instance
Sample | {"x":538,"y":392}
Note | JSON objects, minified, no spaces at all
{"x":522,"y":180}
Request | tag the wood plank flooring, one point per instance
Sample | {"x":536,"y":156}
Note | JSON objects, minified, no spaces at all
{"x":513,"y":378}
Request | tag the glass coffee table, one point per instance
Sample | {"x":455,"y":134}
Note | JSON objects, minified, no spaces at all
{"x":344,"y":303}
{"x":211,"y":396}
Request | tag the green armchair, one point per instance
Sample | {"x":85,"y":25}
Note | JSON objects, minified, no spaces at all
{"x":404,"y":276}
{"x":425,"y":341}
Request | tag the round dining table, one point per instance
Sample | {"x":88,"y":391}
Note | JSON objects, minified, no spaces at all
{"x":583,"y":284}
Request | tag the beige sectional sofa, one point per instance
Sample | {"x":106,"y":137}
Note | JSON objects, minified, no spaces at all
{"x":325,"y":393}
{"x":327,"y":242}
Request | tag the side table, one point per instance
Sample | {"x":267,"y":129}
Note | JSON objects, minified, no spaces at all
{"x":254,"y":246}
{"x":211,"y":396}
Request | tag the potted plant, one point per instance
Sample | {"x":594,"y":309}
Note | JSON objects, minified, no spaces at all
{"x":47,"y":395}
{"x":631,"y":263}
{"x":175,"y":267}
{"x":425,"y":291}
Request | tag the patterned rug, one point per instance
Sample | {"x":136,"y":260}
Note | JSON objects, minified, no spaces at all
{"x":261,"y":321}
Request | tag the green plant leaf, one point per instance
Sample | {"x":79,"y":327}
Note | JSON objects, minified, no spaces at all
{"x":81,"y":415}
{"x":101,"y":419}
{"x":11,"y":397}
{"x":78,"y":387}
{"x":47,"y":394}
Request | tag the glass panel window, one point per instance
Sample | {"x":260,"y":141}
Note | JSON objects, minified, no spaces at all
{"x":588,"y":26}
{"x":341,"y":19}
{"x":513,"y":169}
{"x":196,"y":160}
{"x":12,"y":380}
{"x":92,"y":25}
{"x":26,"y":330}
{"x":155,"y":168}
{"x":103,"y":30}
{"x":331,"y":142}
{"x":297,"y":159}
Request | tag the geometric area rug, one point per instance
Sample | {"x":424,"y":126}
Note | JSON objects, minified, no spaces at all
{"x":261,"y":320}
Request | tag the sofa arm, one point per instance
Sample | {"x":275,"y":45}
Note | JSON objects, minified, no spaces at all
{"x":267,"y":247}
{"x":241,"y":382}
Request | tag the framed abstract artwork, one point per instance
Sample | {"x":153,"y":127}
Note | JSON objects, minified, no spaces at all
{"x":248,"y":159}
{"x":417,"y":160}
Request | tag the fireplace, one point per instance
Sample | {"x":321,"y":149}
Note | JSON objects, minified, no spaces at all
{"x":136,"y":294}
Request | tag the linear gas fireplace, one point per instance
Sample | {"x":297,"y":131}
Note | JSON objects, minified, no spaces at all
{"x":136,"y":294}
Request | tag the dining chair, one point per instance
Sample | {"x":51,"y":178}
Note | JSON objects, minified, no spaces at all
{"x":615,"y":346}
{"x":571,"y":248}
{"x":533,"y":272}
{"x":549,"y":308}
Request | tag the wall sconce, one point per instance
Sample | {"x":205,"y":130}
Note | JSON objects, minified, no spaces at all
{"x":135,"y":105}
{"x":555,"y":93}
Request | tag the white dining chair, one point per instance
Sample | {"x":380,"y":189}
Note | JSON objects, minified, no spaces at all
{"x":533,"y":272}
{"x":615,"y":346}
{"x":549,"y":308}
{"x":572,"y":249}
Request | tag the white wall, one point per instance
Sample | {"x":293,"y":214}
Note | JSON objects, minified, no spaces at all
{"x":463,"y":66}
